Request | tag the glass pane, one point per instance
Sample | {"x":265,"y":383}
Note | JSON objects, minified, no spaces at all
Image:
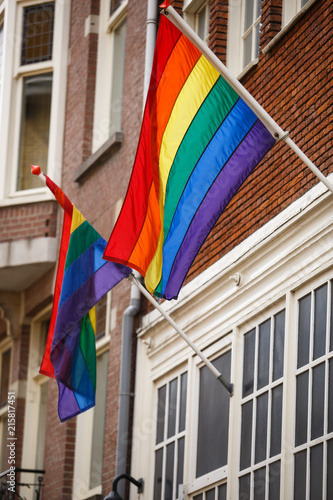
{"x":213,"y":425}
{"x":258,"y":10}
{"x":304,"y":330}
{"x":301,"y":408}
{"x":300,"y":476}
{"x":248,"y":18}
{"x":160,"y":414}
{"x":37,"y":39}
{"x":263,"y":354}
{"x":278,"y":348}
{"x":180,"y":462}
{"x":261,"y":428}
{"x":247,"y":49}
{"x":246,"y":435}
{"x":5,"y":371}
{"x":101,"y":312}
{"x":97,"y":447}
{"x":172,"y":410}
{"x":329,"y":468}
{"x":330,"y":396}
{"x":318,"y":395}
{"x":170,"y":454}
{"x":222,"y":492}
{"x":244,"y":487}
{"x":276,"y":420}
{"x":257,"y":39}
{"x":117,"y":78}
{"x":210,"y":494}
{"x":248,"y":373}
{"x":158,"y":474}
{"x":259,"y":484}
{"x":35,"y":124}
{"x":197,"y":497}
{"x":320,"y":315}
{"x":331,"y":318}
{"x":182,"y":409}
{"x":316,"y":472}
{"x":274,"y":481}
{"x":1,"y":50}
{"x":202,"y":23}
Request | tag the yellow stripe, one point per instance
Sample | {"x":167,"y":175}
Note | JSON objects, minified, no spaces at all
{"x":197,"y":87}
{"x":92,"y":317}
{"x":77,"y":219}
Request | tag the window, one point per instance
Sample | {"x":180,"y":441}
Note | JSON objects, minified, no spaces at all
{"x":291,"y":8}
{"x":313,"y":453}
{"x":197,"y":16}
{"x":251,"y":30}
{"x":33,"y":80}
{"x":110,"y":71}
{"x":5,"y":365}
{"x":261,"y":409}
{"x":1,"y":52}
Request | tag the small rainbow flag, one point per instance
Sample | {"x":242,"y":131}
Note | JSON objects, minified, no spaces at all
{"x":83,"y":277}
{"x":198,"y":143}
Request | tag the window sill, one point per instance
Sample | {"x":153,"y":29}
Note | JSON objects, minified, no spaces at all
{"x":247,"y":68}
{"x":287,"y":27}
{"x":105,"y":150}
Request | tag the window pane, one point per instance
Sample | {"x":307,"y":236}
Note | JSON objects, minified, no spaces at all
{"x":213,"y":426}
{"x":169,"y":471}
{"x":304,"y":330}
{"x":202,"y":23}
{"x":180,"y":462}
{"x":158,"y":474}
{"x":320,"y":315}
{"x":197,"y":497}
{"x":210,"y":494}
{"x":318,"y":395}
{"x":300,"y":476}
{"x":330,"y":396}
{"x":329,"y":468}
{"x":1,"y":50}
{"x":244,"y":487}
{"x":101,"y":312}
{"x":172,"y":410}
{"x":248,"y":374}
{"x":261,"y":428}
{"x":160,"y":414}
{"x":246,"y":435}
{"x":259,"y":486}
{"x":248,"y":49}
{"x":248,"y":19}
{"x":263,"y":354}
{"x":331,"y":319}
{"x":96,"y":466}
{"x":35,"y":123}
{"x":37,"y":33}
{"x":301,"y":408}
{"x":316,"y":472}
{"x":274,"y":481}
{"x":182,"y":409}
{"x":222,"y":492}
{"x":276,"y":420}
{"x":118,"y":77}
{"x":278,"y":350}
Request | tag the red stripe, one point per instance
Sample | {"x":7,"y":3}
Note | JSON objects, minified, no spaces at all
{"x":46,"y":366}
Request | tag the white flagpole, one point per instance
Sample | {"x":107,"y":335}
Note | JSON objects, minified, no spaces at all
{"x":212,"y":368}
{"x":266,"y":119}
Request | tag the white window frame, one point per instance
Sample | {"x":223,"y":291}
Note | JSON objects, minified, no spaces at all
{"x":104,"y":72}
{"x":11,"y":97}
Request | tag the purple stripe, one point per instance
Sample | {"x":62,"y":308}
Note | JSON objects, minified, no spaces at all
{"x":67,"y":404}
{"x":249,"y":153}
{"x":80,"y":303}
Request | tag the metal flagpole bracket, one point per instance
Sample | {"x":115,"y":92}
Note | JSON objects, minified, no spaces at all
{"x":282,"y":137}
{"x":209,"y":365}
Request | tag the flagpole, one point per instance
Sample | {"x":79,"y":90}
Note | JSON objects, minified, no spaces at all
{"x":267,"y":120}
{"x":229,"y":386}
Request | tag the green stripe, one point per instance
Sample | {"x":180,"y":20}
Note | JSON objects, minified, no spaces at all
{"x":81,"y":239}
{"x":87,"y":346}
{"x":209,"y":117}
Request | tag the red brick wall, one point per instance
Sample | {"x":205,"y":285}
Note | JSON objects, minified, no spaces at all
{"x":32,"y":220}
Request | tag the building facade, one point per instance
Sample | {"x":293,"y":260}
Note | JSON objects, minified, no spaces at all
{"x":257,"y":300}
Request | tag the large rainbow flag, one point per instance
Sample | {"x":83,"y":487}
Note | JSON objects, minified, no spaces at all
{"x":83,"y":278}
{"x":199,"y":141}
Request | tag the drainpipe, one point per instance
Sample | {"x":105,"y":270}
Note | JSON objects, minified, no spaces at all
{"x":133,"y":308}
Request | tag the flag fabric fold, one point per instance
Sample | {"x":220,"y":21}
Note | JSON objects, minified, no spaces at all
{"x":83,"y":278}
{"x":199,"y":141}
